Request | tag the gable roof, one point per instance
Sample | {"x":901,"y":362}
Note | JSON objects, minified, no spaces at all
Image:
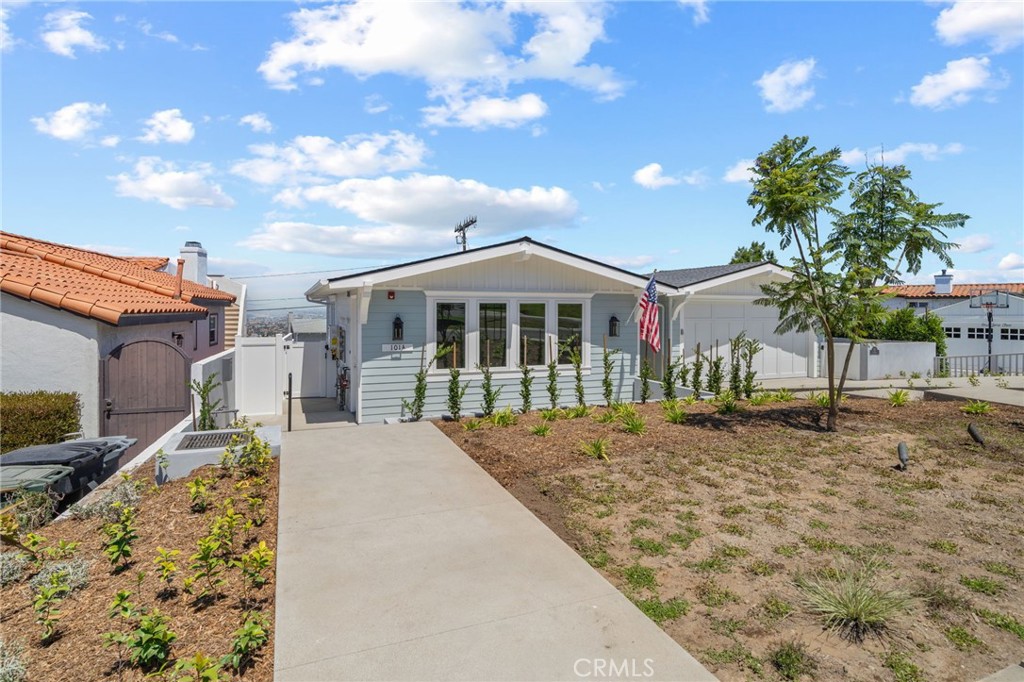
{"x":524,"y":245}
{"x":149,"y":262}
{"x":688,"y":276}
{"x":108,"y":288}
{"x":958,"y":290}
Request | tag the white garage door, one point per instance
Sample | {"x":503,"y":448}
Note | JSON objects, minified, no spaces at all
{"x":712,"y":324}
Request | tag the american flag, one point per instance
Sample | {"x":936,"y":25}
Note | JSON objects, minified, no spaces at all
{"x":650,"y":328}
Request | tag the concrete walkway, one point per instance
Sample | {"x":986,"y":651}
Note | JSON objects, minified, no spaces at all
{"x":400,"y":559}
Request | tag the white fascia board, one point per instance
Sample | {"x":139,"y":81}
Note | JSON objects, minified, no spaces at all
{"x":317,"y":291}
{"x":523,"y":250}
{"x":766,"y":269}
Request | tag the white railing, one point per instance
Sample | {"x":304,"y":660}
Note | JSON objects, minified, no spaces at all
{"x":968,"y":365}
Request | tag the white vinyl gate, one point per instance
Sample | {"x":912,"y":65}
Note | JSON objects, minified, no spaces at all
{"x":308,"y":363}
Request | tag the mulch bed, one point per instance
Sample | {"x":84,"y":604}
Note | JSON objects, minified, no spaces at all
{"x":164,"y":520}
{"x":768,"y":495}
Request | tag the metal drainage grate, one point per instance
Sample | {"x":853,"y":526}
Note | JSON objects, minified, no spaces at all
{"x":209,"y":440}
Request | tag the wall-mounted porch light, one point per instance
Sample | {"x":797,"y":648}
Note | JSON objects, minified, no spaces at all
{"x":613,"y":326}
{"x":397,"y":329}
{"x":178,"y":337}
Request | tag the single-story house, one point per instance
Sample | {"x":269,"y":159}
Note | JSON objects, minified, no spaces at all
{"x":121,"y":332}
{"x":516,"y":302}
{"x":966,"y":324}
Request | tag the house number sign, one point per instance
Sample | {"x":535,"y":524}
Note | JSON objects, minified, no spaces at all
{"x":395,"y":347}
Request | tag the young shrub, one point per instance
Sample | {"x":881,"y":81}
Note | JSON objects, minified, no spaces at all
{"x":197,"y":492}
{"x":668,"y":381}
{"x":203,"y":390}
{"x":792,"y":660}
{"x":606,"y":417}
{"x":783,"y":395}
{"x":598,"y":449}
{"x":166,"y":567}
{"x":526,"y":386}
{"x":735,"y":370}
{"x":761,"y":398}
{"x":554,"y":393}
{"x":38,"y":417}
{"x":674,"y":412}
{"x":698,"y":369}
{"x":46,"y":602}
{"x":456,"y":392}
{"x":551,"y":415}
{"x":607,"y":386}
{"x":898,"y":398}
{"x":541,"y":429}
{"x":576,"y":358}
{"x":750,"y":349}
{"x":727,"y":403}
{"x":120,"y":536}
{"x":149,"y":646}
{"x":633,"y":424}
{"x":976,"y":407}
{"x":254,"y":565}
{"x":419,"y":396}
{"x":716,"y":374}
{"x":208,"y":566}
{"x":578,"y":412}
{"x":504,"y":418}
{"x":491,"y":394}
{"x":200,"y":668}
{"x":248,"y":640}
{"x":646,"y":372}
{"x":472,"y":424}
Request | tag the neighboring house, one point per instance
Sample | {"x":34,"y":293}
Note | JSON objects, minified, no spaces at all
{"x":305,"y":329}
{"x":118,"y":331}
{"x":519,"y":300}
{"x":965,"y":323}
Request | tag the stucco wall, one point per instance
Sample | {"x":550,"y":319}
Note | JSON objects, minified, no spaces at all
{"x":894,"y":358}
{"x":50,"y":350}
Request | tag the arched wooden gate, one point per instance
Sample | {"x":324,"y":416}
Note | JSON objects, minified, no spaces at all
{"x":144,"y":391}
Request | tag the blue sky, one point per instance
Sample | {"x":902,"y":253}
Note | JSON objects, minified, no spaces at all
{"x":317,"y":137}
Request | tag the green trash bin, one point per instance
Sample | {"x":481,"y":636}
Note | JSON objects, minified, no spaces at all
{"x":33,"y":478}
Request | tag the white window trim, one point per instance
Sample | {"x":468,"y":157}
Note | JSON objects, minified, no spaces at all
{"x":472,"y":334}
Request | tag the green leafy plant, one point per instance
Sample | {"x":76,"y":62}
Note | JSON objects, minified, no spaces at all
{"x":165,"y":565}
{"x":254,"y":565}
{"x":526,"y":386}
{"x":38,"y":417}
{"x":646,"y":373}
{"x":1003,"y":621}
{"x":674,"y":412}
{"x":983,"y":585}
{"x":962,"y":639}
{"x":576,"y":360}
{"x":208,"y":566}
{"x":551,"y":415}
{"x":257,"y":509}
{"x":727,"y":403}
{"x":597,"y":448}
{"x":61,"y":550}
{"x":206,"y":407}
{"x":761,"y":398}
{"x":974,"y":380}
{"x":124,"y":611}
{"x":716,"y":372}
{"x":903,"y":669}
{"x":899,"y":397}
{"x":456,"y":392}
{"x":624,"y":410}
{"x":197,"y":491}
{"x":661,"y":611}
{"x":668,"y":380}
{"x":607,"y":385}
{"x":491,"y":393}
{"x":46,"y":602}
{"x":578,"y":412}
{"x":784,"y":395}
{"x":248,"y":640}
{"x":735,"y":364}
{"x":554,"y":393}
{"x":200,"y":668}
{"x":633,"y":424}
{"x":504,"y":418}
{"x":225,"y":526}
{"x":472,"y":424}
{"x":698,"y":371}
{"x":606,"y":417}
{"x":976,"y":407}
{"x":748,"y":351}
{"x":149,"y":645}
{"x":120,"y":536}
{"x":541,"y":429}
{"x":253,"y":457}
{"x":415,"y":406}
{"x":792,"y":660}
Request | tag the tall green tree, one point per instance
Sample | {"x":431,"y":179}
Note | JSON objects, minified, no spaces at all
{"x":843,"y":260}
{"x":757,"y":252}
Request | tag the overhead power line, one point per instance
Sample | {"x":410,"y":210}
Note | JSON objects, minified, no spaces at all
{"x":309,"y":272}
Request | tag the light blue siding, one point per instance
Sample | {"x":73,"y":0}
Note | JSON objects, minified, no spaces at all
{"x":387,"y":378}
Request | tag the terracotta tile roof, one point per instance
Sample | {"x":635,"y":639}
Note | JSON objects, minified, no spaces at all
{"x":94,"y":284}
{"x":149,"y":262}
{"x":959,"y":290}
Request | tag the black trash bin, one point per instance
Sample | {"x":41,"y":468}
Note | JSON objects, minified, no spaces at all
{"x":92,"y":461}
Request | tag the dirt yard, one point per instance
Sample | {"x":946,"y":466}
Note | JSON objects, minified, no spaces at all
{"x":165,"y":519}
{"x":721,"y":527}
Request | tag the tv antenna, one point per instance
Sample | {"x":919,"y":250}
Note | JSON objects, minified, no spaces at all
{"x":460,"y":230}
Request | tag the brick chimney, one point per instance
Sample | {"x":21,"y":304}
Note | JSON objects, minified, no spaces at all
{"x":943,"y":283}
{"x":195,"y":262}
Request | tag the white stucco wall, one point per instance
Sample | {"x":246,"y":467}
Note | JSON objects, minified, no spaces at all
{"x":44,"y":349}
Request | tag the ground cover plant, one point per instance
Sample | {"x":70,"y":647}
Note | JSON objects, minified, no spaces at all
{"x":771,"y":548}
{"x":170,"y":589}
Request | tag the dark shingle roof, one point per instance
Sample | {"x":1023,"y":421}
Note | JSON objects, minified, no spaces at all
{"x":688,"y":276}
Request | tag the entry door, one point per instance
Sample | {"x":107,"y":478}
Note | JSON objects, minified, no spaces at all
{"x":145,"y":392}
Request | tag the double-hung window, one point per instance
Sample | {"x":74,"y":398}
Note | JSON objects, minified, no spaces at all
{"x":493,"y":328}
{"x":532,"y":326}
{"x":570,"y":331}
{"x":450,"y":322}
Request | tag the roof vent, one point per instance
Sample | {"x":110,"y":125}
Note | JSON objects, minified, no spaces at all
{"x":943,"y":284}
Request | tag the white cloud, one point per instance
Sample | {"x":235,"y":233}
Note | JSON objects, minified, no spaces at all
{"x":650,"y":177}
{"x":375,"y":104}
{"x":436,"y":202}
{"x":929,"y":151}
{"x":972,"y":276}
{"x":788,"y":88}
{"x":110,"y":141}
{"x":316,"y":159}
{"x":168,"y":126}
{"x":156,"y":180}
{"x":72,"y":122}
{"x":626,"y":262}
{"x":956,"y":84}
{"x":975,"y":243}
{"x":182,"y":228}
{"x":700,"y":10}
{"x":1011,"y":261}
{"x":740,"y":171}
{"x":64,"y":32}
{"x":258,"y":122}
{"x":7,"y":39}
{"x":485,"y":112}
{"x":236,"y":268}
{"x":999,"y":23}
{"x":166,"y":36}
{"x":462,"y":52}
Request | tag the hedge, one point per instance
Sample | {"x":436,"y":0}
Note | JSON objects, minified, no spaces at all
{"x":38,"y":417}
